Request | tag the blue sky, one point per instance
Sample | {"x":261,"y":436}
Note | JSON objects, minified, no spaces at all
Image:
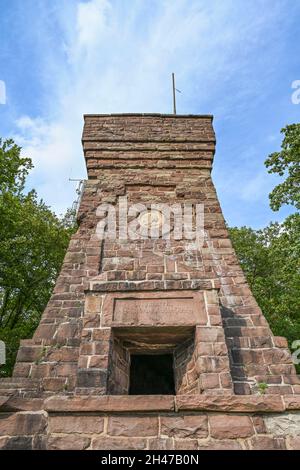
{"x":235,"y":59}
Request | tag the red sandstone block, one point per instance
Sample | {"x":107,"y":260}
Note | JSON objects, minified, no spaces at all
{"x":21,"y":369}
{"x":212,"y":364}
{"x":76,"y":424}
{"x":100,"y":362}
{"x":54,"y":384}
{"x":121,"y":403}
{"x":68,"y":442}
{"x":45,"y":332}
{"x":205,"y":349}
{"x":214,"y":444}
{"x":273,"y":356}
{"x":87,"y":349}
{"x":234,"y":403}
{"x":186,"y":444}
{"x":39,"y":371}
{"x":230,"y":427}
{"x":66,"y":369}
{"x":210,"y":334}
{"x":93,"y":304}
{"x":83,"y":362}
{"x":184,"y":426}
{"x":154,"y":276}
{"x":30,"y":353}
{"x":118,"y":443}
{"x":292,"y":402}
{"x":17,"y":403}
{"x":208,"y":381}
{"x":267,"y":443}
{"x":133,"y":426}
{"x":160,"y":443}
{"x":220,"y":349}
{"x":63,"y":354}
{"x":259,"y":425}
{"x":23,"y":423}
{"x":280,"y":342}
{"x":16,"y":443}
{"x":293,"y":443}
{"x":284,"y":369}
{"x":91,"y":321}
{"x":101,"y":334}
{"x":155,"y":269}
{"x":226,"y":380}
{"x":67,"y":330}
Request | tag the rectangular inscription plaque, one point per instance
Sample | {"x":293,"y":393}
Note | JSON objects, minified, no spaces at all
{"x":159,"y":309}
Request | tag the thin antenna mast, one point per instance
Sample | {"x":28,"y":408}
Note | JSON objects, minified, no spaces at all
{"x":174,"y":93}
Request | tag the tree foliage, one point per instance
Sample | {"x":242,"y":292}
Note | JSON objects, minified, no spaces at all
{"x":286,"y":163}
{"x":33,"y":241}
{"x":270,"y":259}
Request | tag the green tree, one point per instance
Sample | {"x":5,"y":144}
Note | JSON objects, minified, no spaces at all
{"x":33,"y":241}
{"x":270,"y":259}
{"x":286,"y":163}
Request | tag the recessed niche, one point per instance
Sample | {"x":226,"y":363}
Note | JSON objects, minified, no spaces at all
{"x":151,"y":374}
{"x":150,"y":360}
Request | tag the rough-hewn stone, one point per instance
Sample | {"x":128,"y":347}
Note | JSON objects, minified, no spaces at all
{"x":182,"y":426}
{"x":230,"y":426}
{"x":118,"y":297}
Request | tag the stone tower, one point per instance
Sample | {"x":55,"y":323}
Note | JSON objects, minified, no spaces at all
{"x":150,"y":342}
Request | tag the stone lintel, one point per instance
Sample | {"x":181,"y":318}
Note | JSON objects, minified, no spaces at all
{"x":108,"y":403}
{"x":148,"y":403}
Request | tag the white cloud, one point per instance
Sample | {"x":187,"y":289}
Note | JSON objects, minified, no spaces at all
{"x":91,"y":22}
{"x":118,"y":57}
{"x":2,"y":92}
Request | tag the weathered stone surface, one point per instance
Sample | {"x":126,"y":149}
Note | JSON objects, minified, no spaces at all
{"x":110,"y":403}
{"x":186,"y":444}
{"x":293,"y":443}
{"x":283,"y":425}
{"x":68,"y":442}
{"x":113,"y":443}
{"x":135,"y":426}
{"x":15,"y":403}
{"x":237,"y":403}
{"x":78,"y":350}
{"x":160,"y":443}
{"x":194,"y":426}
{"x":16,"y":443}
{"x":3,"y":400}
{"x":214,"y":444}
{"x":156,"y":309}
{"x":76,"y":424}
{"x":22,"y":423}
{"x":267,"y":443}
{"x":292,"y":402}
{"x":259,"y":425}
{"x":230,"y":426}
{"x":280,"y":342}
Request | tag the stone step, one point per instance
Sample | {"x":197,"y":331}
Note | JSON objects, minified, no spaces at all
{"x":18,"y":383}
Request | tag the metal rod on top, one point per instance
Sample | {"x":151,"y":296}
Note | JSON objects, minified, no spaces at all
{"x":174,"y":91}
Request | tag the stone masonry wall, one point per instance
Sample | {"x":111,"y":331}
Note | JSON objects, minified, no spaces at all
{"x":150,"y":158}
{"x":116,"y":297}
{"x":87,"y":424}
